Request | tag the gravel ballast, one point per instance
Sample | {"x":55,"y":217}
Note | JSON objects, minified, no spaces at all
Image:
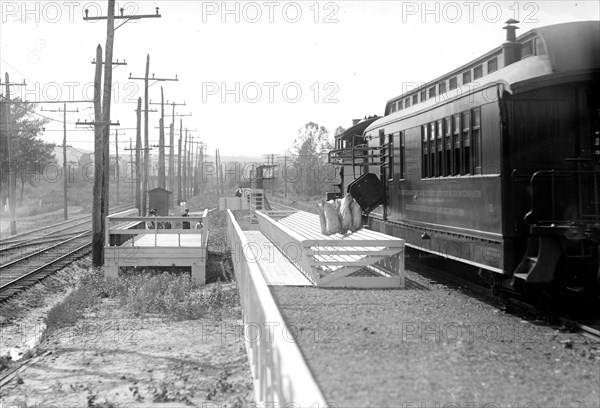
{"x":433,"y":346}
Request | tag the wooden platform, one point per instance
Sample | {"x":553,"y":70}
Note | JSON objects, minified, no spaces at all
{"x":365,"y":258}
{"x":275,"y":268}
{"x":156,"y":247}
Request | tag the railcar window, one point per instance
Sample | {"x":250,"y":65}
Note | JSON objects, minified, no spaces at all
{"x":540,"y":49}
{"x":439,"y":171}
{"x":492,"y":65}
{"x":453,"y":83}
{"x":397,"y":155}
{"x":466,"y":77}
{"x":402,"y":157}
{"x":407,"y":103}
{"x":457,"y":146}
{"x":466,"y":168}
{"x":393,"y":107}
{"x":432,"y":150}
{"x":451,"y":146}
{"x":415,"y":99}
{"x":432,"y":92}
{"x":476,"y":136}
{"x":478,"y":72}
{"x":442,"y":87}
{"x":386,"y":158}
{"x":448,"y":146}
{"x":425,"y":148}
{"x":423,"y":96}
{"x":527,"y":49}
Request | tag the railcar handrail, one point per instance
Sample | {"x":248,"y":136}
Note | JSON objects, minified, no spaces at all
{"x":349,"y":156}
{"x":554,"y":188}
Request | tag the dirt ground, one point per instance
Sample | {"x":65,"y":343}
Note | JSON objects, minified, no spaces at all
{"x":112,"y":359}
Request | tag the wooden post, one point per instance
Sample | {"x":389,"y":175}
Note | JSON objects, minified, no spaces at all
{"x":117,"y":172}
{"x":171,"y":158}
{"x":161,"y":142}
{"x":138,"y":149}
{"x":179,"y":162}
{"x":131,"y":175}
{"x":12,"y":171}
{"x":65,"y":169}
{"x":185,"y":164}
{"x":146,"y":144}
{"x":97,"y":231}
{"x":110,"y":36}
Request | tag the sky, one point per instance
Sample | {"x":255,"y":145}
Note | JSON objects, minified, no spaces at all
{"x":251,"y":73}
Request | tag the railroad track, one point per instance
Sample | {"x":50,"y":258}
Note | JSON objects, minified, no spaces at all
{"x":54,"y":229}
{"x":26,"y":261}
{"x":24,"y":272}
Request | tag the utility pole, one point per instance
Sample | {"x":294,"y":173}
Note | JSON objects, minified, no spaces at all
{"x":185,"y":163}
{"x":132,"y":173}
{"x":12,"y":170}
{"x":146,"y":78}
{"x":171,"y":152}
{"x":161,"y":141}
{"x":117,"y":173}
{"x":97,"y":222}
{"x":64,"y":146}
{"x":102,"y":129}
{"x":179,"y":162}
{"x":138,"y":146}
{"x":142,"y":174}
{"x":162,"y":127}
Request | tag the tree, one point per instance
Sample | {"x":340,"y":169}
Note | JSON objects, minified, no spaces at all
{"x":31,"y":154}
{"x":310,"y":150}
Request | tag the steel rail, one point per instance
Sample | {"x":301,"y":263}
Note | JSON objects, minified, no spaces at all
{"x":58,"y":224}
{"x":5,"y":266}
{"x":5,"y":286}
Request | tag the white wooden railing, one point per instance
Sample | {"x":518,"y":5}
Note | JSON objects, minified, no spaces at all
{"x":280,"y":373}
{"x":122,"y":225}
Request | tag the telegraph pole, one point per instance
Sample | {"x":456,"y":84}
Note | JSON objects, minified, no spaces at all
{"x":146,"y":78}
{"x":131,"y":164}
{"x":179,"y":162}
{"x":171,"y":151}
{"x":161,"y":141}
{"x":97,"y":207}
{"x":138,"y":146}
{"x":185,"y":164}
{"x":117,"y":173}
{"x":142,"y":174}
{"x":64,"y":146}
{"x":171,"y":141}
{"x":102,"y":129}
{"x":12,"y":170}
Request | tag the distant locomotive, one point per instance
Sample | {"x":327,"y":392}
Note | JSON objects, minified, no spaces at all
{"x":496,"y":163}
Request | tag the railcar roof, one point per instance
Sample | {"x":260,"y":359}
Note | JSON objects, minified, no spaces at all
{"x":569,"y":47}
{"x":518,"y":72}
{"x":572,"y":46}
{"x":358,"y":129}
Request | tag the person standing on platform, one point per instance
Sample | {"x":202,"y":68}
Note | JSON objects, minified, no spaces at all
{"x":186,"y":213}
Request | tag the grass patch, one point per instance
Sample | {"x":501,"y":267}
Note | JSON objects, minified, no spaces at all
{"x":174,"y":296}
{"x":171,"y":295}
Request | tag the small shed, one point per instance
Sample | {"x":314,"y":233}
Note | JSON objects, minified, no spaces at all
{"x":159,"y":198}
